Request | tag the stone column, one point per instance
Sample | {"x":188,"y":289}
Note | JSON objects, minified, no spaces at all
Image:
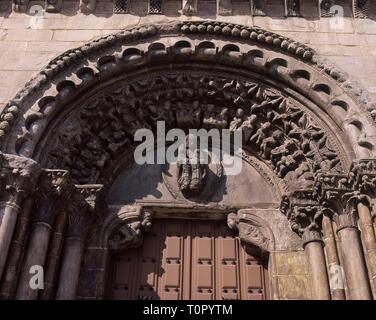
{"x":339,"y":194}
{"x":54,"y":257}
{"x":313,"y":246}
{"x":81,"y":213}
{"x":305,"y":213}
{"x":53,"y":187}
{"x":9,"y":280}
{"x":335,"y":269}
{"x":17,"y":177}
{"x":352,"y":255}
{"x":369,"y":240}
{"x":363,"y":176}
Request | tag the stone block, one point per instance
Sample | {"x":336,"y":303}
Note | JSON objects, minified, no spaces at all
{"x":294,"y":287}
{"x":291,"y":263}
{"x":76,"y":35}
{"x":28,"y":35}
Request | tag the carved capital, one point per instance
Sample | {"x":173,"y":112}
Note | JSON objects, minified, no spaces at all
{"x":304,"y":212}
{"x":54,"y":189}
{"x":18,"y":175}
{"x":85,"y":202}
{"x":340,"y":195}
{"x":130,"y":232}
{"x":250,"y":232}
{"x":363,"y":177}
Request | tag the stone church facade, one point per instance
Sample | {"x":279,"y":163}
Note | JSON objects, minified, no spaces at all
{"x":79,"y":78}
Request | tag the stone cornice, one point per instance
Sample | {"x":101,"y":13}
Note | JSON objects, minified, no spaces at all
{"x":289,"y":8}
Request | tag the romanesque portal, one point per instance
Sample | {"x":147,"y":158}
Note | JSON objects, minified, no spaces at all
{"x":297,"y":223}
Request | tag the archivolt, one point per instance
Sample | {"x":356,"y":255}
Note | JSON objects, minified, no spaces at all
{"x":83,"y":108}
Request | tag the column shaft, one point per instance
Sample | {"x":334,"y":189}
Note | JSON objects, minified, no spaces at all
{"x":35,"y":256}
{"x":369,"y":240}
{"x":8,"y":219}
{"x":9,"y":280}
{"x":354,"y":264}
{"x":316,"y":258}
{"x":337,"y":284}
{"x":70,"y":270}
{"x":53,"y":258}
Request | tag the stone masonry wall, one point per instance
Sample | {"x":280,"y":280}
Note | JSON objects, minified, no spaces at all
{"x":24,"y":50}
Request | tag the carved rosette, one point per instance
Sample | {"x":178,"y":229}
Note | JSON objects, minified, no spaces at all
{"x":304,"y":213}
{"x":129,"y":233}
{"x":18,"y":176}
{"x":251,"y":233}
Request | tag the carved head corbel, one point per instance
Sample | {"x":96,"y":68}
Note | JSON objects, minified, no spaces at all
{"x":251,"y":234}
{"x":130,"y":233}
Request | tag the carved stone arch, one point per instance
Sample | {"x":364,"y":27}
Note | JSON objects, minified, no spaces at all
{"x":263,"y":70}
{"x":299,"y":115}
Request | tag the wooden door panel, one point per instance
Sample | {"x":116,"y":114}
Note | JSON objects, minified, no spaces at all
{"x":191,"y":260}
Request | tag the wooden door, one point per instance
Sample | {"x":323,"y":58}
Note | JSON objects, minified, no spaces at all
{"x":192,"y":260}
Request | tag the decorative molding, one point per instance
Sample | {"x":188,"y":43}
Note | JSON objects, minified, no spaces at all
{"x":11,"y":113}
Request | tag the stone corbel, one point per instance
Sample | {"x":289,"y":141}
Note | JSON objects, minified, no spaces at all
{"x":88,"y":6}
{"x":258,"y":8}
{"x":292,"y":8}
{"x":129,"y":233}
{"x":224,"y":7}
{"x":189,"y":7}
{"x":20,"y":5}
{"x":251,"y":233}
{"x":54,"y":6}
